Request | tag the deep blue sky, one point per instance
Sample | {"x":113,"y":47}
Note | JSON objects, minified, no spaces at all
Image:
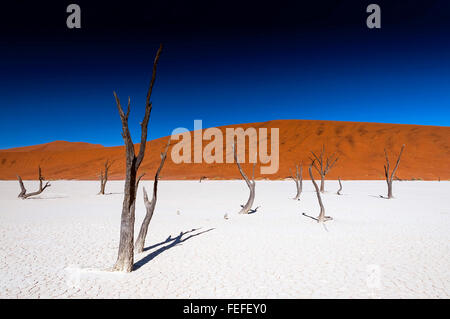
{"x":225,"y":65}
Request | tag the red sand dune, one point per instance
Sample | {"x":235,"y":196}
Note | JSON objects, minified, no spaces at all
{"x":359,"y":145}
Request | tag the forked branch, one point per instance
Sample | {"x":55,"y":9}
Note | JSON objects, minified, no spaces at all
{"x":23,"y":192}
{"x":323,"y":164}
{"x":150,"y":205}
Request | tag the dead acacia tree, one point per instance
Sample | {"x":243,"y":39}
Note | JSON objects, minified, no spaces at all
{"x":321,"y":218}
{"x":340,"y":187}
{"x":104,"y":177}
{"x":149,"y":205}
{"x":298,"y":179}
{"x":125,"y":258}
{"x":247,"y":208}
{"x":389,"y":178}
{"x":323,"y":164}
{"x":23,"y":193}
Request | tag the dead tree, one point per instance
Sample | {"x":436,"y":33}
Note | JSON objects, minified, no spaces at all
{"x":298,"y":179}
{"x":149,"y":206}
{"x":340,"y":187}
{"x":321,"y":218}
{"x":23,"y":193}
{"x":125,"y":258}
{"x":323,"y":164}
{"x":104,"y":177}
{"x":247,"y":208}
{"x":389,"y":178}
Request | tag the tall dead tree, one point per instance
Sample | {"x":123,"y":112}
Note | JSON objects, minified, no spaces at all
{"x":323,"y":164}
{"x":125,"y":258}
{"x":340,"y":187}
{"x":298,"y":179}
{"x":104,"y":177}
{"x":149,"y":206}
{"x":23,"y":193}
{"x":247,"y":208}
{"x":321,"y":218}
{"x":389,"y":178}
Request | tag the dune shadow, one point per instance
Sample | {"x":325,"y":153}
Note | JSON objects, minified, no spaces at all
{"x":172,"y":242}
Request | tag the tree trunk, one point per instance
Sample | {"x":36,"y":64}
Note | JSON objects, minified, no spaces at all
{"x":125,"y":258}
{"x":298,"y":179}
{"x":321,"y":218}
{"x":102,"y":185}
{"x":251,"y":185}
{"x":248,"y":206}
{"x":389,"y":184}
{"x":322,"y":183}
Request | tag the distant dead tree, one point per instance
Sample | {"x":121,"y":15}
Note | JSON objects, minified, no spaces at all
{"x":149,"y":205}
{"x":23,"y":193}
{"x":247,"y":208}
{"x":104,"y":177}
{"x":389,"y":178}
{"x":323,"y":164}
{"x":298,"y":179}
{"x":321,"y":218}
{"x":125,"y":258}
{"x":340,"y":187}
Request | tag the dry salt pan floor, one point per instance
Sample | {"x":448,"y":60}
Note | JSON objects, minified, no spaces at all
{"x":60,"y":244}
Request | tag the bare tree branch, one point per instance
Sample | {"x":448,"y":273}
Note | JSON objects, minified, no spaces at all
{"x":323,"y":164}
{"x":23,"y":193}
{"x":150,"y":205}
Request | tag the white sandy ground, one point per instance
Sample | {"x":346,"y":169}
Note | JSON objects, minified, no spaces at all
{"x":59,"y":244}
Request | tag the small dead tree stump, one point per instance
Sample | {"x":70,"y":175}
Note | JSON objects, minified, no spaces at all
{"x":23,"y":193}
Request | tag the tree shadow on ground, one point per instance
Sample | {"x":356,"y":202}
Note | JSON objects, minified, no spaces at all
{"x":172,"y":242}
